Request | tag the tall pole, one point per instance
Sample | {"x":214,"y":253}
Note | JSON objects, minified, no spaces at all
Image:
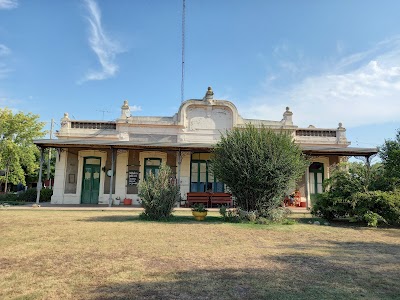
{"x":39,"y":183}
{"x":49,"y":161}
{"x":183,"y":49}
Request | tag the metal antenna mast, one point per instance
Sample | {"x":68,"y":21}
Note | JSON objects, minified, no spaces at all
{"x":183,"y":50}
{"x":103,"y":111}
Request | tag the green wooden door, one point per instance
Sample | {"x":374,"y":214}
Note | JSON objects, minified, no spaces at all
{"x":316,"y":179}
{"x":90,"y":184}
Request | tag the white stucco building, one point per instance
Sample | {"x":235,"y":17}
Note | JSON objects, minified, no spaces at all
{"x":95,"y":155}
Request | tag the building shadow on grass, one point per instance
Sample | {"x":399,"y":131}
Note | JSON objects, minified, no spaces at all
{"x":240,"y":284}
{"x":368,"y":270}
{"x":342,"y":271}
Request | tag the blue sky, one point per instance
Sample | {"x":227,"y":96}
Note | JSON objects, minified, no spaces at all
{"x":330,"y":61}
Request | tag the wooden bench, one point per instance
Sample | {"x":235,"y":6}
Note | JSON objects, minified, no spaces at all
{"x":221,"y":198}
{"x":193,"y":198}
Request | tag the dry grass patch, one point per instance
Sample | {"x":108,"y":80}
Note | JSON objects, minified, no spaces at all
{"x":114,"y":255}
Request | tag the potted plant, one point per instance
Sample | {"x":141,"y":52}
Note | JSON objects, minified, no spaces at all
{"x":127,"y":201}
{"x":199,"y":211}
{"x":117,"y":201}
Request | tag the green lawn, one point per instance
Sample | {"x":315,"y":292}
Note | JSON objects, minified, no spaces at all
{"x":113,"y":255}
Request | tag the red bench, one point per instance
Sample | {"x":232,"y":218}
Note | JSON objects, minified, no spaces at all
{"x":193,"y":198}
{"x":221,"y":198}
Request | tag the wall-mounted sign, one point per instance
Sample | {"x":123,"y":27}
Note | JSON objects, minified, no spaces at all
{"x":71,"y":178}
{"x":133,"y":177}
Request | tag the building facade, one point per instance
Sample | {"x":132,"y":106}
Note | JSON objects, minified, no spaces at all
{"x":98,"y":161}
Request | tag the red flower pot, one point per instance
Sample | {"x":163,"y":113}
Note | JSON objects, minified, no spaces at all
{"x":127,"y":201}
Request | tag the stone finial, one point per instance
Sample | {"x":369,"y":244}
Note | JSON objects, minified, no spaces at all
{"x":209,"y":94}
{"x":287,"y":117}
{"x":65,"y":120}
{"x":125,"y":110}
{"x":341,"y":134}
{"x":125,"y":105}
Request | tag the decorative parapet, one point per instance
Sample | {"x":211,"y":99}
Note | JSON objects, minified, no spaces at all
{"x":81,"y":129}
{"x":316,"y":132}
{"x":93,"y":125}
{"x":321,"y":135}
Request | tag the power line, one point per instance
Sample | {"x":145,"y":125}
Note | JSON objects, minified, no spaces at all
{"x":183,"y":49}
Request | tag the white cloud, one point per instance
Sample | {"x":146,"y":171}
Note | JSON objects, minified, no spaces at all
{"x":4,"y":50}
{"x":4,"y":70}
{"x":340,"y":47}
{"x":104,"y":47}
{"x":134,"y":108}
{"x":363,"y":88}
{"x":9,"y":103}
{"x":8,"y":4}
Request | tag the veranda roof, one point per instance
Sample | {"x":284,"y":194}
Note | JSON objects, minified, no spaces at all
{"x":107,"y":144}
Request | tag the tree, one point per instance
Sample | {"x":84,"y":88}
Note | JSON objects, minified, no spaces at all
{"x":258,"y":166}
{"x":389,"y":152}
{"x":18,"y":154}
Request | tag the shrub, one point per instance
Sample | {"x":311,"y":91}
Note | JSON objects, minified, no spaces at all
{"x":370,"y":207}
{"x":274,"y":215}
{"x":158,"y":194}
{"x":347,"y":179}
{"x":384,"y":204}
{"x":372,"y":218}
{"x":228,"y":215}
{"x":258,"y":166}
{"x":278,"y":214}
{"x":28,"y":196}
{"x":330,"y":207}
{"x":4,"y":198}
{"x":45,"y":195}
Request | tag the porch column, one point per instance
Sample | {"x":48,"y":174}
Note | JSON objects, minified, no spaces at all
{"x":39,"y":184}
{"x":111,"y":177}
{"x":307,"y":188}
{"x":178,"y":175}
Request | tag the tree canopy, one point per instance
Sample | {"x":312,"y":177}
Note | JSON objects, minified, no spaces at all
{"x":18,"y":154}
{"x":390,"y":155}
{"x":258,"y":166}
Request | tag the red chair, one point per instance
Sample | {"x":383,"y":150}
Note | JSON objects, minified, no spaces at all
{"x":297,"y":198}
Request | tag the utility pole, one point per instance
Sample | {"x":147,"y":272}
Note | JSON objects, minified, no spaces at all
{"x":48,"y":163}
{"x":183,"y":50}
